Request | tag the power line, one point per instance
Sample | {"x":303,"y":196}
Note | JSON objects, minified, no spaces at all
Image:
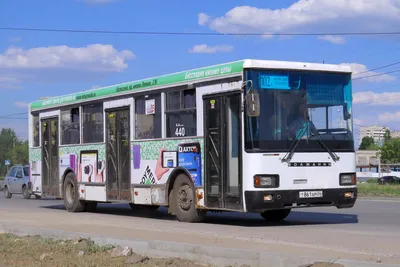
{"x":13,"y":118}
{"x":378,"y":68}
{"x":374,"y":75}
{"x":192,"y":33}
{"x":15,"y":114}
{"x":377,"y":100}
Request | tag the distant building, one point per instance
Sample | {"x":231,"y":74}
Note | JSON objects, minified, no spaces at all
{"x":376,"y":132}
{"x":395,"y":134}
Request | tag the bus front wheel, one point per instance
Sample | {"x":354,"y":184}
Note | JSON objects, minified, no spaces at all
{"x":184,"y":201}
{"x":275,"y":215}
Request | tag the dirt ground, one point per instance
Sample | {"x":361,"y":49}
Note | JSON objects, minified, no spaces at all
{"x":37,"y":251}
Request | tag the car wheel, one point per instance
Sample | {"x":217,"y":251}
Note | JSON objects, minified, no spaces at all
{"x":7,"y":193}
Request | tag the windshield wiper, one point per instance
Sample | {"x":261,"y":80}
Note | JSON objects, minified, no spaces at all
{"x":333,"y":155}
{"x":295,"y":142}
{"x":298,"y":137}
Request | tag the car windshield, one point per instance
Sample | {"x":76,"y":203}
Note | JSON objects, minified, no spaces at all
{"x":292,"y":100}
{"x":26,"y":171}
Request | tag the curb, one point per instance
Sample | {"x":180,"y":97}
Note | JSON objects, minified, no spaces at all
{"x":215,"y":256}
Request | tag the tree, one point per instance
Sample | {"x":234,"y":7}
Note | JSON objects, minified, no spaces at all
{"x":13,"y":149}
{"x":390,"y":151}
{"x":386,"y":136}
{"x":368,"y":143}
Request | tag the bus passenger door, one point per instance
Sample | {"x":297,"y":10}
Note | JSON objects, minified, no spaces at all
{"x":118,"y":154}
{"x":223,"y":186}
{"x":50,"y":158}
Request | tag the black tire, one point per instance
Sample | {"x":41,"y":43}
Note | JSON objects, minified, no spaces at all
{"x":7,"y":193}
{"x":140,"y":207}
{"x":184,"y":201}
{"x":275,"y":215}
{"x":38,"y":197}
{"x":25,"y":192}
{"x":90,"y":206}
{"x":72,"y":202}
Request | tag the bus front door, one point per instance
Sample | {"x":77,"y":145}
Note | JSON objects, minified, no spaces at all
{"x":50,"y":158}
{"x":118,"y":154}
{"x":223,"y":184}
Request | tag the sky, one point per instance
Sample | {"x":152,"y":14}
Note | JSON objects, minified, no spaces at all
{"x":40,"y":64}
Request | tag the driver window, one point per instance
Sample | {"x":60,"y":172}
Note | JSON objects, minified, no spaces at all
{"x":19,"y":173}
{"x":13,"y":172}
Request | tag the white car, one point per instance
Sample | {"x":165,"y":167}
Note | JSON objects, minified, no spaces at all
{"x":16,"y":182}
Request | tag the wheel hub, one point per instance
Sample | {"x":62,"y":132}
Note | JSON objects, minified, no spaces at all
{"x":185,"y":197}
{"x":70,"y":194}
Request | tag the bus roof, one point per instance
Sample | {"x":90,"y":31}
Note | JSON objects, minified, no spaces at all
{"x":225,"y":70}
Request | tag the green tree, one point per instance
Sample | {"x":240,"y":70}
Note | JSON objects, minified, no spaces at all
{"x":390,"y":151}
{"x":13,"y":149}
{"x":386,"y":136}
{"x":367,"y":143}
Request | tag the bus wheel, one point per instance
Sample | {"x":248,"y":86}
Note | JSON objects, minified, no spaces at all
{"x":7,"y":193}
{"x":25,"y":192}
{"x":184,"y":201}
{"x":275,"y":215}
{"x":72,"y":202}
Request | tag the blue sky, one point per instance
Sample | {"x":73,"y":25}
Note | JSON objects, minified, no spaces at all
{"x":36,"y":64}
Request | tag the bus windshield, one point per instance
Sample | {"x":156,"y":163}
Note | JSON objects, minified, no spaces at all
{"x":290,"y":100}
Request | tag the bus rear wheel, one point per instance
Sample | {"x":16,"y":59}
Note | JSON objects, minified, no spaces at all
{"x":25,"y":192}
{"x":184,"y":201}
{"x":72,"y":202}
{"x":275,"y":215}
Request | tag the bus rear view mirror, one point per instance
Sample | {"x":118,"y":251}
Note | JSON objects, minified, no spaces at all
{"x":253,"y":104}
{"x":346,"y":114}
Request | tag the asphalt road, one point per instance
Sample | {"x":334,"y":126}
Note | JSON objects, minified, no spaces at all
{"x":369,"y":232}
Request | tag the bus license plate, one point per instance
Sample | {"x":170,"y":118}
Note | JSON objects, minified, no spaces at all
{"x":310,"y":194}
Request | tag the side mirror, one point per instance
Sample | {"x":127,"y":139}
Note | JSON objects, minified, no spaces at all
{"x":19,"y":176}
{"x":253,"y":104}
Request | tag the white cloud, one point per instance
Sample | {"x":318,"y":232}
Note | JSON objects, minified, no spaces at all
{"x":203,"y":48}
{"x":333,"y":39}
{"x":267,"y":36}
{"x":372,"y":98}
{"x":358,"y":121}
{"x":9,"y":82}
{"x":311,"y":15}
{"x":360,"y":71}
{"x":21,"y":104}
{"x":203,"y":19}
{"x":389,"y":117}
{"x":95,"y":58}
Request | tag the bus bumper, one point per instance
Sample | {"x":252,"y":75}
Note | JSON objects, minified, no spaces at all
{"x":260,"y":201}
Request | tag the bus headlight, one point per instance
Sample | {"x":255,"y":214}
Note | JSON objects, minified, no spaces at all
{"x":347,"y":179}
{"x":266,"y":181}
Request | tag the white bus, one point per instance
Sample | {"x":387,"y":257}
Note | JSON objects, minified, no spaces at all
{"x":253,"y":136}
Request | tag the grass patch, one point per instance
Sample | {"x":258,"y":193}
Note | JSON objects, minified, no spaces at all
{"x":375,"y":190}
{"x":38,"y":251}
